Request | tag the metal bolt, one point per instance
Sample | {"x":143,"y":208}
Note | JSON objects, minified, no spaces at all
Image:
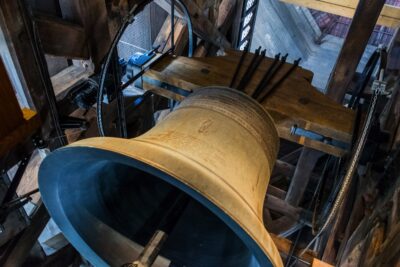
{"x":293,"y":129}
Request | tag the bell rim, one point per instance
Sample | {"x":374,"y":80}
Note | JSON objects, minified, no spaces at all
{"x":263,"y":257}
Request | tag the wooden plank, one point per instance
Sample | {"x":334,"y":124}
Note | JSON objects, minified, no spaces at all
{"x":66,"y":79}
{"x":389,"y":17}
{"x":10,"y":111}
{"x":361,"y":28}
{"x":279,"y":205}
{"x":303,"y":105}
{"x":163,"y":38}
{"x":284,"y":246}
{"x":276,"y":192}
{"x":389,"y":252}
{"x":225,"y":15}
{"x":282,"y":167}
{"x":62,"y":38}
{"x":317,"y":263}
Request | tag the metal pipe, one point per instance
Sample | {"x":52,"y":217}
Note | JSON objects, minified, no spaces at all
{"x":281,"y":80}
{"x":246,"y":74}
{"x":267,"y":77}
{"x":238,"y":67}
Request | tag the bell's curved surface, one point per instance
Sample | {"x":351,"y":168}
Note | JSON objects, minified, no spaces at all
{"x":108,"y":195}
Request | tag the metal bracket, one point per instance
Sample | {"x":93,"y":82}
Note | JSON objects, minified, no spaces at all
{"x":380,"y":87}
{"x":295,"y":130}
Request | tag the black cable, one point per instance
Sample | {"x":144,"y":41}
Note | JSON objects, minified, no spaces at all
{"x":364,"y":79}
{"x":238,"y":67}
{"x":267,"y":77}
{"x":268,"y":92}
{"x":127,"y":21}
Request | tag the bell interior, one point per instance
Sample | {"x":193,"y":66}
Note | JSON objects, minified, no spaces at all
{"x":113,"y":207}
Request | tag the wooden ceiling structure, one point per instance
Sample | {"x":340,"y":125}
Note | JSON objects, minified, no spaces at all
{"x":84,"y":32}
{"x":389,"y":17}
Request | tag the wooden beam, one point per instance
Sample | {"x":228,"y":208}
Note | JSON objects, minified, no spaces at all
{"x":284,"y":246}
{"x":389,"y":17}
{"x":276,"y":192}
{"x":67,"y":78}
{"x":202,"y":26}
{"x":30,"y":125}
{"x":279,"y":205}
{"x":180,"y":36}
{"x":303,"y":105}
{"x":288,"y":170}
{"x":28,"y":238}
{"x":18,"y":32}
{"x":361,"y":28}
{"x":62,"y":38}
{"x":304,"y":169}
{"x":92,"y":15}
{"x":317,"y":263}
{"x":237,"y":17}
{"x":10,"y":111}
{"x":223,"y":22}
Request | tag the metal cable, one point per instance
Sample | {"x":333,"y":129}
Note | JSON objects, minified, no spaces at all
{"x":355,"y":158}
{"x":351,"y":170}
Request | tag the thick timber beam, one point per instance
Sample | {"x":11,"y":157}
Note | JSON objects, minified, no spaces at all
{"x":361,"y":28}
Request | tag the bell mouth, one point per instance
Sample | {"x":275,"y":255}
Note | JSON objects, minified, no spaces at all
{"x":108,"y":206}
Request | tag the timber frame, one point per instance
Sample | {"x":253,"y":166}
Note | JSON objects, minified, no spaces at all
{"x":84,"y":32}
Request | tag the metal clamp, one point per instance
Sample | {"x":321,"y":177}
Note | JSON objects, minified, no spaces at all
{"x":380,"y":87}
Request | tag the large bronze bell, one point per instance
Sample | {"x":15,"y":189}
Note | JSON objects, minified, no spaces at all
{"x":217,"y":148}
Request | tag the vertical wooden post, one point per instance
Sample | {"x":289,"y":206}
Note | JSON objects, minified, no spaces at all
{"x":236,"y":23}
{"x":361,"y":28}
{"x":18,"y":33}
{"x":302,"y":174}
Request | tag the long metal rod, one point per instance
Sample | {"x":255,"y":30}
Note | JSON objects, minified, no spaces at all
{"x":238,"y":67}
{"x":120,"y":98}
{"x":248,"y":72}
{"x":274,"y":72}
{"x":280,"y":81}
{"x":267,"y":77}
{"x":252,"y":71}
{"x":16,"y":180}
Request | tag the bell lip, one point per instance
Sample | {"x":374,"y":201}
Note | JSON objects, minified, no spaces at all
{"x":48,"y":177}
